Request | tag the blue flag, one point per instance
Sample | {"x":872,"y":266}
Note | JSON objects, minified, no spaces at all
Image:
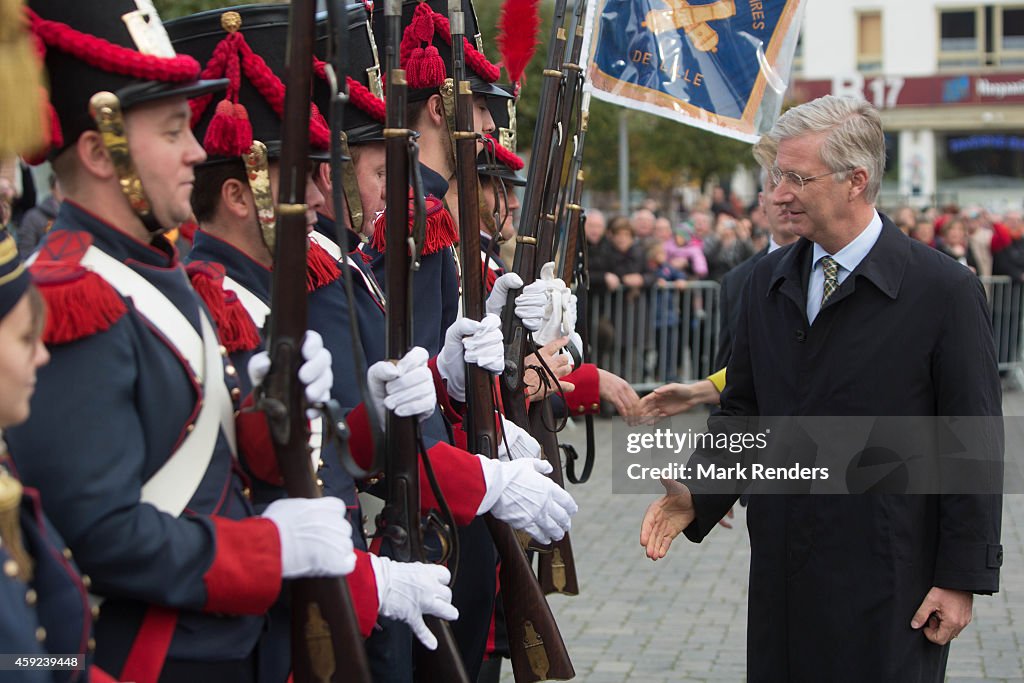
{"x":722,"y":65}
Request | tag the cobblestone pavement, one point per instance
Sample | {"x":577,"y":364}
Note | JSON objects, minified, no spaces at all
{"x":633,"y":620}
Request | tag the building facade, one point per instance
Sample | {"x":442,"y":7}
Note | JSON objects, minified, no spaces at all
{"x":948,"y":77}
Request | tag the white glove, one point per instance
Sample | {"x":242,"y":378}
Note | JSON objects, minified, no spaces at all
{"x":520,"y":443}
{"x":470,"y":341}
{"x":547,"y":307}
{"x":532,"y":306}
{"x":405,"y":388}
{"x":518,"y":493}
{"x":315,"y":373}
{"x":408,"y":590}
{"x":499,"y":292}
{"x":316,"y":539}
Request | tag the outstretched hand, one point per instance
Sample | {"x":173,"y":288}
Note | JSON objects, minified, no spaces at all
{"x":666,"y":518}
{"x":675,"y":398}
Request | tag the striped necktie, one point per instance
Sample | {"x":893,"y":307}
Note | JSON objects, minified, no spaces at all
{"x":831,"y":270}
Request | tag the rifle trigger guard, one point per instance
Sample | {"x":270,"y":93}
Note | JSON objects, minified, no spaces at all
{"x":436,"y":524}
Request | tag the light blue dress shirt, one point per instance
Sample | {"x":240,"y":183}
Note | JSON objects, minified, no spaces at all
{"x":848,"y":258}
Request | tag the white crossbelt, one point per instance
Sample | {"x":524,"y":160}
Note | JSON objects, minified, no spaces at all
{"x":252,"y":304}
{"x":173,"y":485}
{"x":332,"y":248}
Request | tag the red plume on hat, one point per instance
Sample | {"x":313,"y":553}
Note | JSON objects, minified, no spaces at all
{"x":518,"y":30}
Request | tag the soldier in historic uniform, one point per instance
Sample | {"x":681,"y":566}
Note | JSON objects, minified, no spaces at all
{"x":138,"y":418}
{"x":231,"y":266}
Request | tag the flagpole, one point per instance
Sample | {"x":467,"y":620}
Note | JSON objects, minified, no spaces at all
{"x":623,"y":164}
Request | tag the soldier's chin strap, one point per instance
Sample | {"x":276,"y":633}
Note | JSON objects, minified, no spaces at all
{"x":257,"y":172}
{"x":105,"y":109}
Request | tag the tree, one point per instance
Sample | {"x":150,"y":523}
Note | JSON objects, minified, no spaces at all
{"x":171,"y":9}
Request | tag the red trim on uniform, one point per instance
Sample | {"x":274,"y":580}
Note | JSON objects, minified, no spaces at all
{"x":441,"y":230}
{"x":81,"y":303}
{"x":360,"y":440}
{"x":235,"y":329}
{"x":98,"y":675}
{"x":362,"y":584}
{"x":245,"y":577}
{"x":149,"y":650}
{"x":255,"y":445}
{"x":586,"y":398}
{"x":461,"y":480}
{"x":321,"y":268}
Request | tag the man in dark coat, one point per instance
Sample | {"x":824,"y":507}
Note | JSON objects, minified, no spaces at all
{"x":858,"y":587}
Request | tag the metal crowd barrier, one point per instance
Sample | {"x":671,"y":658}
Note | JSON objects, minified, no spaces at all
{"x":1005,"y":302}
{"x":657,"y":335}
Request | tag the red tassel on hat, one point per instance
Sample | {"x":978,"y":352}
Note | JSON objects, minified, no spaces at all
{"x":423,"y":65}
{"x":229,"y":133}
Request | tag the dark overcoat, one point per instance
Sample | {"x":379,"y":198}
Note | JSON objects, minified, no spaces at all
{"x":835,"y":580}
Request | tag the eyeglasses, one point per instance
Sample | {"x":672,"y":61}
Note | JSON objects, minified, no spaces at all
{"x":796,"y":180}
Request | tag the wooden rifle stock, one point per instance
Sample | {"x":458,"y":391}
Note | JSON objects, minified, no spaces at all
{"x":324,"y":625}
{"x":524,"y":263}
{"x":537,"y":649}
{"x":400,"y":519}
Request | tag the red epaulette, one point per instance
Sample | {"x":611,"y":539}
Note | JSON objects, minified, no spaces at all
{"x":441,"y":231}
{"x":80,"y":303}
{"x":321,"y":268}
{"x":235,"y":328}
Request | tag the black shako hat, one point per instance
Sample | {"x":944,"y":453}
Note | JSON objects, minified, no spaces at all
{"x":107,"y":45}
{"x":365,"y":111}
{"x":248,"y":45}
{"x":426,"y":52}
{"x":502,"y":162}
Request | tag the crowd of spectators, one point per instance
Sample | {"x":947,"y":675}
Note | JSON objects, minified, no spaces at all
{"x":645,"y":249}
{"x":647,"y":252}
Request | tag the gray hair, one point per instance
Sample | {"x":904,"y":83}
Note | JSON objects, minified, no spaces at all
{"x":764,"y":151}
{"x":853,"y":138}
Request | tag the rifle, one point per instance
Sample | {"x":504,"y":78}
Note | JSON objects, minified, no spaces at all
{"x":536,"y":646}
{"x":399,"y":522}
{"x":556,"y":567}
{"x":324,"y":625}
{"x":572,"y":260}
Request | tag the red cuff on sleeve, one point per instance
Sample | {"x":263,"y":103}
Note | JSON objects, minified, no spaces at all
{"x":360,"y":440}
{"x":461,"y":480}
{"x":586,"y":399}
{"x":362,"y":584}
{"x":245,"y":577}
{"x":255,"y":446}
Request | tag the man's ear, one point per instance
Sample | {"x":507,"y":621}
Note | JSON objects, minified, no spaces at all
{"x":93,"y":155}
{"x":322,"y":178}
{"x":235,"y":197}
{"x":858,"y":182}
{"x":436,"y":110}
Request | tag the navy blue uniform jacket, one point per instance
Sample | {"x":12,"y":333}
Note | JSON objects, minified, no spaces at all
{"x":108,"y":411}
